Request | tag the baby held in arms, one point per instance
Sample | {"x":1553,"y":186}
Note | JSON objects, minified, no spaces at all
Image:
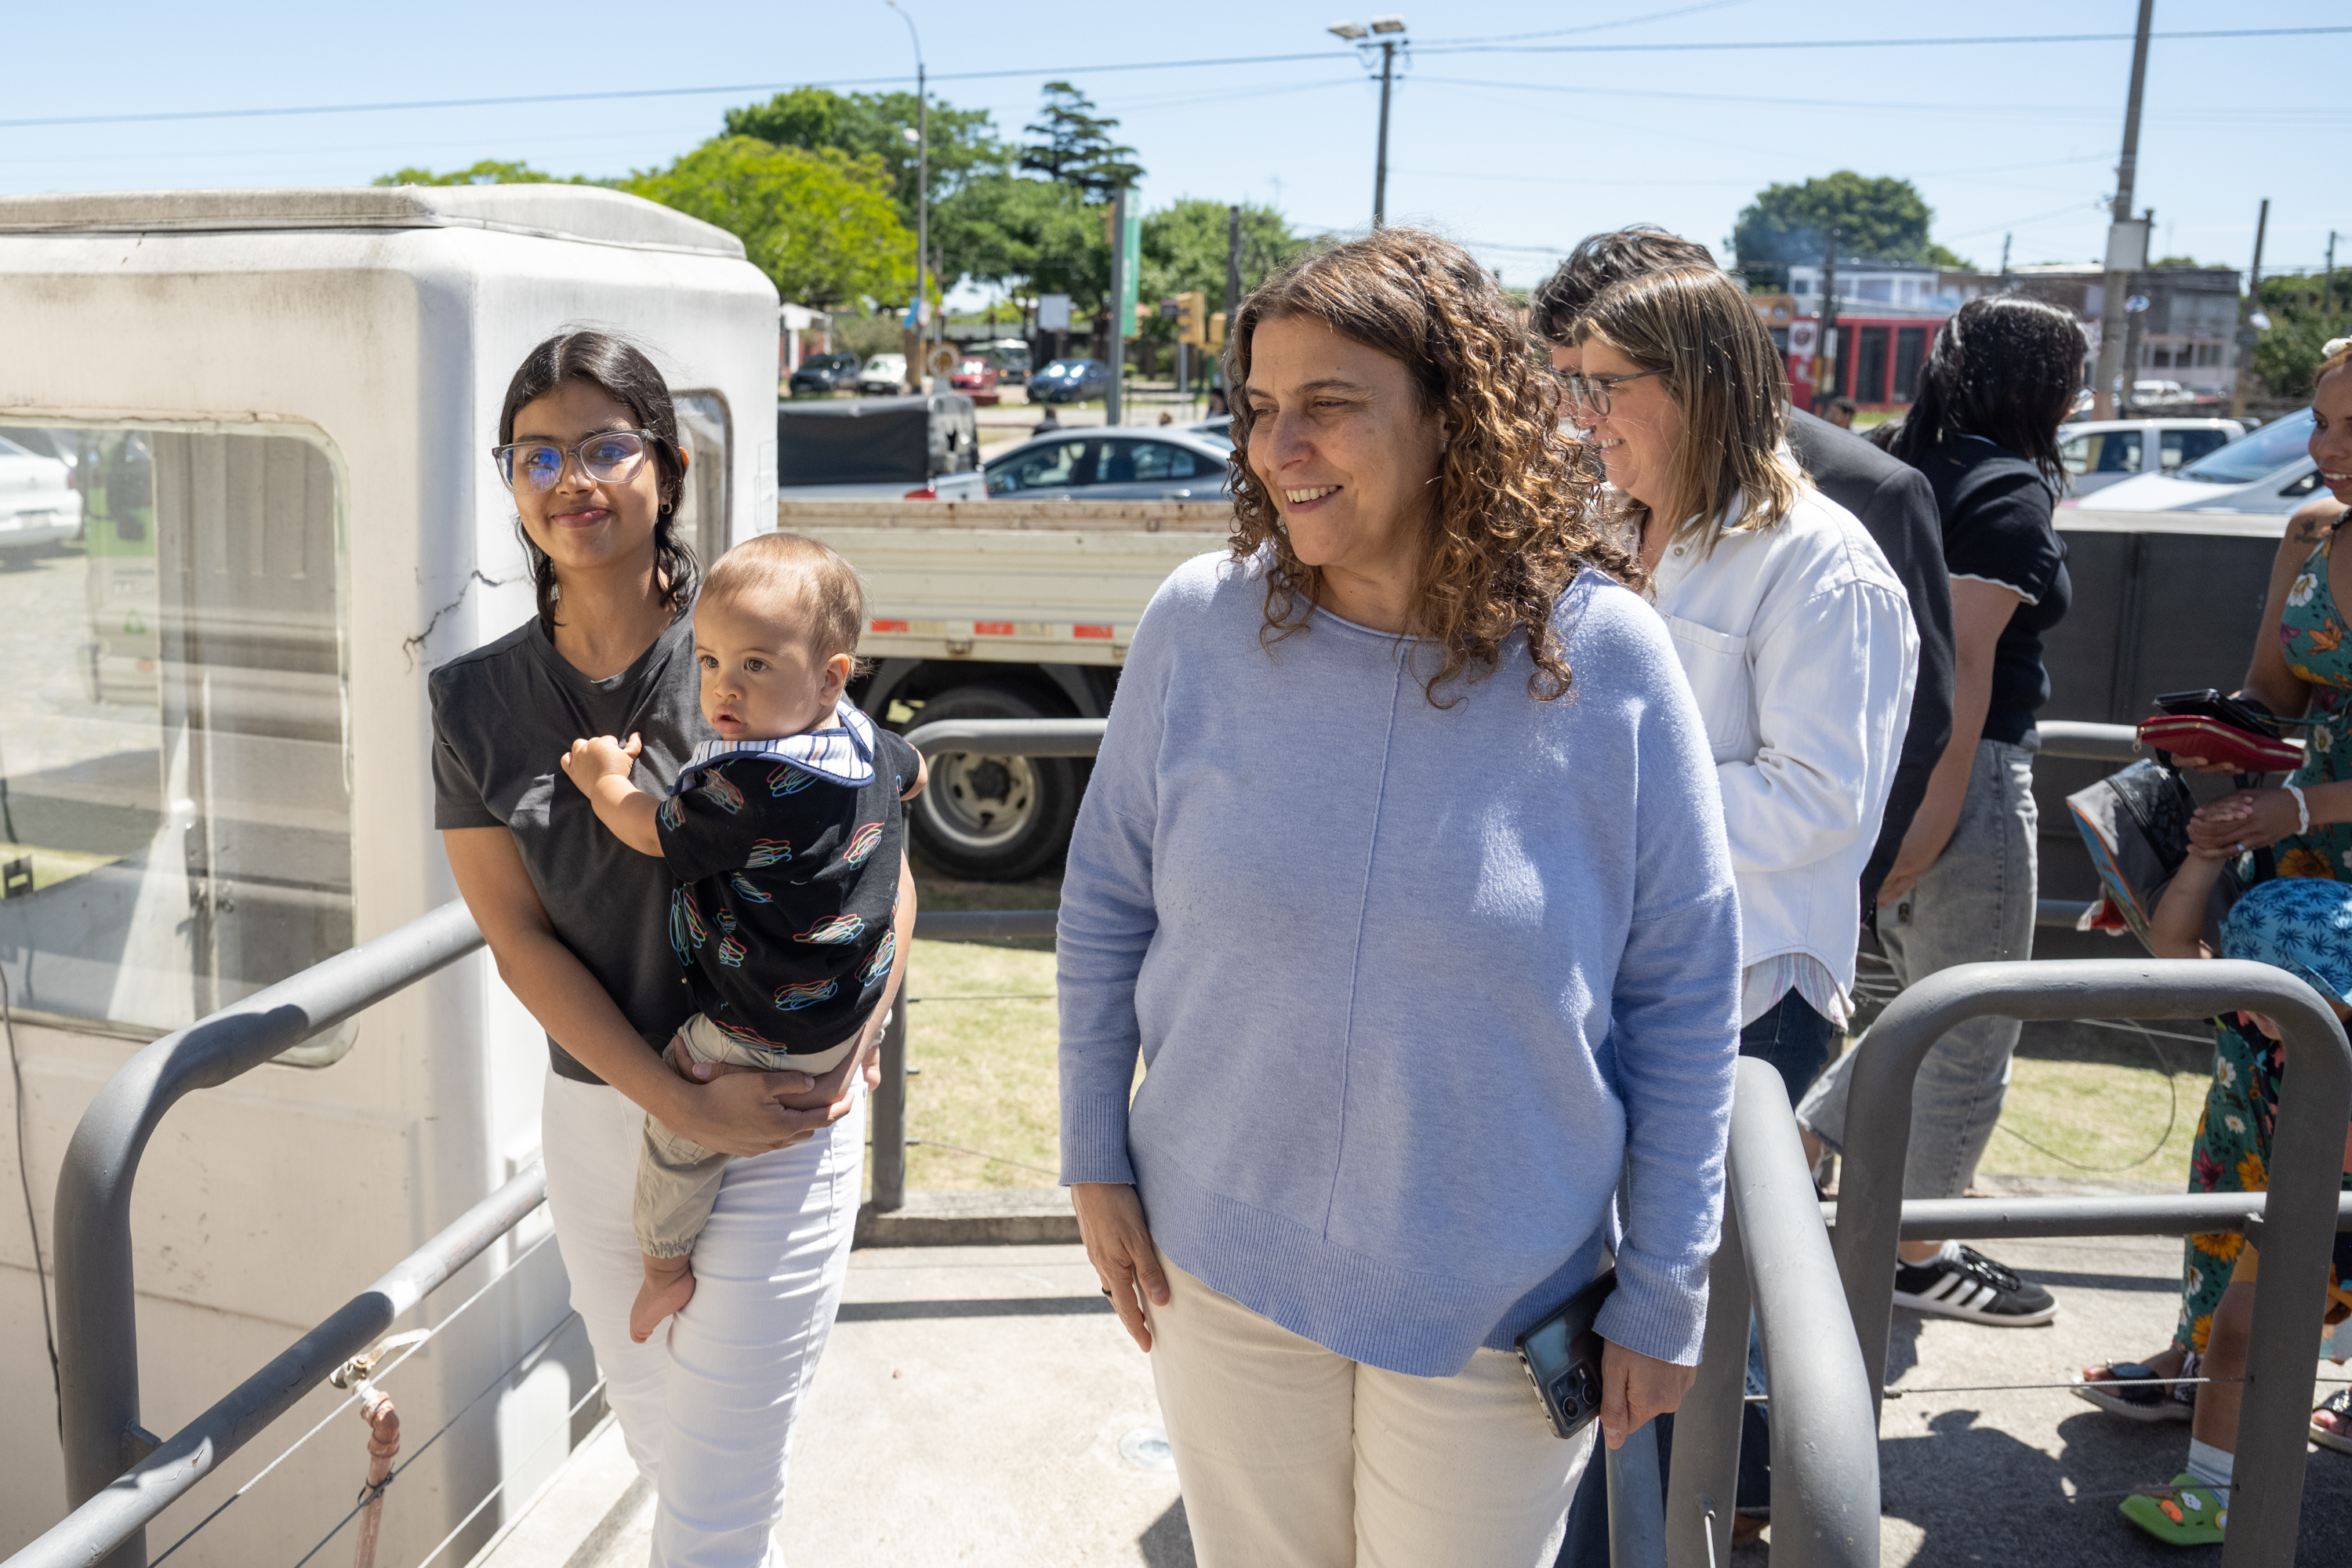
{"x":784,"y":837}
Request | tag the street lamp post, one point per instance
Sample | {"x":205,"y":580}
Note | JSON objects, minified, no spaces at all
{"x":922,"y":196}
{"x":1358,"y":33}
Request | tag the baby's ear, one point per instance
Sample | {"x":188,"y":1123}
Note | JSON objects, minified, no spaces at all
{"x":837,"y":672}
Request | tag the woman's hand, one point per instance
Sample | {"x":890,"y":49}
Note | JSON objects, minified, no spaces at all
{"x":2250,"y":819}
{"x":1118,"y":1244}
{"x":743,"y":1111}
{"x":1635,"y":1387}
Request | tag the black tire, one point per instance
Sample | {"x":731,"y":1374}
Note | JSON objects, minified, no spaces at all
{"x":993,"y":819}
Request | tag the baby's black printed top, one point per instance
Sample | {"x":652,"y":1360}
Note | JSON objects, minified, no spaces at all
{"x":786,"y":854}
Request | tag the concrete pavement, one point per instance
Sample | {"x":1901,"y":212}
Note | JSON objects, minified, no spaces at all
{"x":979,"y":1406}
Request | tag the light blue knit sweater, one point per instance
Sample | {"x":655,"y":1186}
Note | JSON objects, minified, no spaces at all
{"x":1412,"y":986}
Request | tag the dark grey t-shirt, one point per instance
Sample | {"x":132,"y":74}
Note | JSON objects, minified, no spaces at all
{"x":502,"y":716}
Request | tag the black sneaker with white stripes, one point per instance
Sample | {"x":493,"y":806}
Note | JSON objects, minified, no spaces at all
{"x":1963,"y":1283}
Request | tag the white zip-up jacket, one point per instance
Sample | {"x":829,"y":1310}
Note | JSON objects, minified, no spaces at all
{"x":1799,"y":646}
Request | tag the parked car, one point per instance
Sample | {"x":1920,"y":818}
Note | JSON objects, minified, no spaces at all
{"x":974,"y":375}
{"x":1217,"y":427}
{"x":1070,"y":381}
{"x":2103,"y":452}
{"x":38,"y":505}
{"x":2268,"y":471}
{"x":884,"y":374}
{"x":1010,"y":358}
{"x":1173,"y":465}
{"x":823,"y":373}
{"x":2157,"y":394}
{"x":879,"y":448}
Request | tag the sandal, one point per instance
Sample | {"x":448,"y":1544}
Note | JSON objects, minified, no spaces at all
{"x":2186,"y":1513}
{"x":2141,"y":1398}
{"x":2339,"y":1406}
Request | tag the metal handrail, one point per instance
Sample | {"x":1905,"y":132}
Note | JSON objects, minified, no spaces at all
{"x":120,"y":1511}
{"x":2299,"y":1215}
{"x":1776,"y":1254}
{"x":2089,"y":743}
{"x":97,"y":1326}
{"x":972,"y":737}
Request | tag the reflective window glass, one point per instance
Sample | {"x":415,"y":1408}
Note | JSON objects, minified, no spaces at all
{"x":1159,"y":460}
{"x":176,"y":802}
{"x":2187,"y":446}
{"x":1054,"y":463}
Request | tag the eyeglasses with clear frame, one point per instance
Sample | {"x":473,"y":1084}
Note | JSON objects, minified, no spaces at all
{"x":609,"y":457}
{"x":1590,"y":394}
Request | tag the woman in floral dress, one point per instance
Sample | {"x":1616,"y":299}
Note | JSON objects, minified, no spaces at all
{"x":2301,"y":668}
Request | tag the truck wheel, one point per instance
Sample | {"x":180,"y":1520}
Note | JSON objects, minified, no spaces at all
{"x":992,"y":819}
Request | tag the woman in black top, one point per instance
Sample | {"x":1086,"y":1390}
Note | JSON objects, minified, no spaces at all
{"x":1963,"y":890}
{"x":576,"y":920}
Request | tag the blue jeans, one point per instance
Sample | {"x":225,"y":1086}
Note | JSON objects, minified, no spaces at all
{"x":1794,"y":1038}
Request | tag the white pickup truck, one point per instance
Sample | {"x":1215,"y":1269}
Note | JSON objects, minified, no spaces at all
{"x":1003,"y":609}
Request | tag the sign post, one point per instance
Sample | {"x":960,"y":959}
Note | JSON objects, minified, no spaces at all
{"x":1125,"y":230}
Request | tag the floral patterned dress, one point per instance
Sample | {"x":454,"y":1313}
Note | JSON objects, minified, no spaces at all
{"x":2317,"y":643}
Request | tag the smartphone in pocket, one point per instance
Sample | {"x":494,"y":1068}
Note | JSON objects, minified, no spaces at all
{"x":1561,"y":1355}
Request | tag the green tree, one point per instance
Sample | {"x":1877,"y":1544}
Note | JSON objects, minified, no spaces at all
{"x":2287,"y":354}
{"x":962,"y":142}
{"x":1032,"y":235}
{"x":1184,"y":251}
{"x":820,"y":223}
{"x":489,"y":172}
{"x":1077,"y":149}
{"x":1878,"y":220}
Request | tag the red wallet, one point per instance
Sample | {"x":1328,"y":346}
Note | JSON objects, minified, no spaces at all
{"x":2241,"y":750}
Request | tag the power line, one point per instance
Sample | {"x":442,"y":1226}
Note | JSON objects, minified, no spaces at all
{"x":1469,"y":47}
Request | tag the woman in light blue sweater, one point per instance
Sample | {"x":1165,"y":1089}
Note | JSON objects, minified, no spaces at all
{"x":1403,"y":869}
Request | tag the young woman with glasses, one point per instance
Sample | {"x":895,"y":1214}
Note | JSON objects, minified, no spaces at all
{"x":576,"y":920}
{"x":1795,"y":634}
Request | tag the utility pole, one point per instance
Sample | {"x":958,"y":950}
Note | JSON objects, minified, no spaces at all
{"x":918,"y":372}
{"x":2126,"y":240}
{"x":1233,"y":263}
{"x":1384,"y":28}
{"x":2246,"y":313}
{"x":2328,"y":288}
{"x":1832,"y":368}
{"x":2004,"y":259}
{"x":1120,"y":262}
{"x":2134,"y":323}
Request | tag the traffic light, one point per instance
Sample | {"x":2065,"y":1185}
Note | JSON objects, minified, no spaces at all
{"x":1216,"y":330}
{"x":1192,"y":318}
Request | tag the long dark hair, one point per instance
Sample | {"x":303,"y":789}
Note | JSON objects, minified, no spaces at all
{"x":2006,"y":368}
{"x":621,"y":372}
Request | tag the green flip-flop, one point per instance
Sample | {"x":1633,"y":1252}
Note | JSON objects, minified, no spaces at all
{"x":2186,"y":1513}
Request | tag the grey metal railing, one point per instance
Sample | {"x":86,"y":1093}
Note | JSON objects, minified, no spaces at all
{"x":1775,"y":1261}
{"x":2299,"y":1215}
{"x":98,"y":1329}
{"x":111,"y":1526}
{"x":972,"y":737}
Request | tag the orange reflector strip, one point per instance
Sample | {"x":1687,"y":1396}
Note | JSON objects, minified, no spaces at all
{"x":889,"y":625}
{"x":1090,"y":631}
{"x":991,"y":628}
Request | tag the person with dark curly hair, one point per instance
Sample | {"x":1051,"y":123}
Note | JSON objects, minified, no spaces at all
{"x":1403,"y":871}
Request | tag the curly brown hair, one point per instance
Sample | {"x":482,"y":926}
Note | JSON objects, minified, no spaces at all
{"x":1514,"y":516}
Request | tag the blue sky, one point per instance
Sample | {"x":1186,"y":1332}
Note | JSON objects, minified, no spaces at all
{"x":1517,"y":147}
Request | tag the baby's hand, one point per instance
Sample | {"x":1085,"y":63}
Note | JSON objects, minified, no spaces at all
{"x":600,"y":757}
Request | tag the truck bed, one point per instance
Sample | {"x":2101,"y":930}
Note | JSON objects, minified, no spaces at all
{"x":1048,"y":581}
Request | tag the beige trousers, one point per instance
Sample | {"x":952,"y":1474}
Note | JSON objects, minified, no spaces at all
{"x":1290,"y":1456}
{"x":678,"y":1179}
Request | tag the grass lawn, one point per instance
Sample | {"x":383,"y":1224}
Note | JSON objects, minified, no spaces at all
{"x":2084,"y":1101}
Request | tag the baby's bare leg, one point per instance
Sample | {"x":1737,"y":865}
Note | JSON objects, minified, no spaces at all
{"x":668,"y":1287}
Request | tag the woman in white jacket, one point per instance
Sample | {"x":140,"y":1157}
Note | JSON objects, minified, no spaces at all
{"x":1795,"y":634}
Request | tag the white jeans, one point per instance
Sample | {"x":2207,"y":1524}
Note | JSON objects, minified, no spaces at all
{"x":1291,"y":1455}
{"x":707,"y":1408}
